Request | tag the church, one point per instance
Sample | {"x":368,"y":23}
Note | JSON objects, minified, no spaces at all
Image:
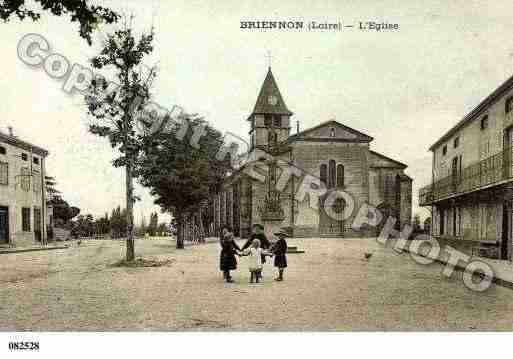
{"x":337,"y":155}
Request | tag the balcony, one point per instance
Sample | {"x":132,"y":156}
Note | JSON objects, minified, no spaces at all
{"x":492,"y":171}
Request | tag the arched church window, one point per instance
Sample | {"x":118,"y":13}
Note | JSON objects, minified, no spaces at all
{"x":323,"y":175}
{"x":340,"y":175}
{"x":332,"y":132}
{"x":271,"y":137}
{"x":331,"y":173}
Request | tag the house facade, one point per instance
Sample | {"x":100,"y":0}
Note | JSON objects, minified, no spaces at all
{"x":24,"y":214}
{"x":471,"y":191}
{"x":336,"y":156}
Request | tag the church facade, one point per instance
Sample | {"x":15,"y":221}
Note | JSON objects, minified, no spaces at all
{"x":330,"y":157}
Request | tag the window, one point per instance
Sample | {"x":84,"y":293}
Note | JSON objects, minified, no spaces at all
{"x":484,"y":122}
{"x":277,"y":121}
{"x":4,"y":173}
{"x":3,"y":151}
{"x":25,"y":179}
{"x":332,"y":132}
{"x":442,"y":221}
{"x":340,"y":175}
{"x":35,"y":185}
{"x":444,"y":150}
{"x":268,"y":120}
{"x":323,"y":174}
{"x":331,"y":173}
{"x":455,"y":166}
{"x":271,"y":137}
{"x":36,"y":160}
{"x":509,"y":104}
{"x":24,"y":157}
{"x":25,"y":219}
{"x":456,"y":141}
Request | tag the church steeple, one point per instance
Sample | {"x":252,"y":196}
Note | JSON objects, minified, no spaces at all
{"x":269,"y":99}
{"x":270,"y":117}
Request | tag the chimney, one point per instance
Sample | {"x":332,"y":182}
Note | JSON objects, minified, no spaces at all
{"x":9,"y":128}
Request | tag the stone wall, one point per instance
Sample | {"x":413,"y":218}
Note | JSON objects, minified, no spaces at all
{"x":310,"y":155}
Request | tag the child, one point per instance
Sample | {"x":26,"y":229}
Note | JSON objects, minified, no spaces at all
{"x":258,"y":233}
{"x":255,"y":254}
{"x":227,"y":260}
{"x":280,"y":254}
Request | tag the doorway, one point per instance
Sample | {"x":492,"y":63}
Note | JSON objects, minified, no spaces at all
{"x":506,"y":146}
{"x":331,"y":222}
{"x":4,"y":225}
{"x":506,"y":230}
{"x":442,"y":221}
{"x":37,"y":224}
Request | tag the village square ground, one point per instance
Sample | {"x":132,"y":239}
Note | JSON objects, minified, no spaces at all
{"x":330,"y":287}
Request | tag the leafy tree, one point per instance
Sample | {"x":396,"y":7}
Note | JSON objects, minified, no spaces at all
{"x":84,"y":225}
{"x":118,"y":223}
{"x":162,"y":228}
{"x":88,"y":16}
{"x":103,"y":225}
{"x":115,"y":111}
{"x":50,"y":184}
{"x":154,"y":223}
{"x":62,"y":211}
{"x":141,"y":230}
{"x":180,"y":175}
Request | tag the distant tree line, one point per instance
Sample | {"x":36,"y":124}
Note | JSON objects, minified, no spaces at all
{"x":85,"y":225}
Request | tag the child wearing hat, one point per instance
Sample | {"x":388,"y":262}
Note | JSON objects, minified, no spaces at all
{"x":280,"y":254}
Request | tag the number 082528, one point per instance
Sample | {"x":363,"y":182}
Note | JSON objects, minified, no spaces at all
{"x":23,"y":345}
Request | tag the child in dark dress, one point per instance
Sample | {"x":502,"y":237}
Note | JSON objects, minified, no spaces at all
{"x":280,"y":254}
{"x":227,"y":260}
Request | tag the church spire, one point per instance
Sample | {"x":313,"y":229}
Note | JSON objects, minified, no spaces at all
{"x":269,"y":99}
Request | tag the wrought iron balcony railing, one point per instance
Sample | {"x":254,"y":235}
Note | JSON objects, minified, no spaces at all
{"x":490,"y":171}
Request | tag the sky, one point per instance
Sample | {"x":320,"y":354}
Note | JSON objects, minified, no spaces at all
{"x":405,"y":88}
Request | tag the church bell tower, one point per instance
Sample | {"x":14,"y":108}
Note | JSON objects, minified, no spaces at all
{"x":270,"y":119}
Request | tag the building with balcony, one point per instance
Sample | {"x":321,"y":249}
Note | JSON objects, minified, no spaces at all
{"x":24,"y":214}
{"x":471,"y":192}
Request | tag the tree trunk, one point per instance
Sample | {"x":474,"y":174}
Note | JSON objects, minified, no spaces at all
{"x":201,"y":230}
{"x":180,"y":232}
{"x":130,"y":251}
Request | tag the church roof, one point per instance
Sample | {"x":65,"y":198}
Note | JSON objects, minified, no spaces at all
{"x":387,"y":159}
{"x":263,"y":105}
{"x":348,"y":133}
